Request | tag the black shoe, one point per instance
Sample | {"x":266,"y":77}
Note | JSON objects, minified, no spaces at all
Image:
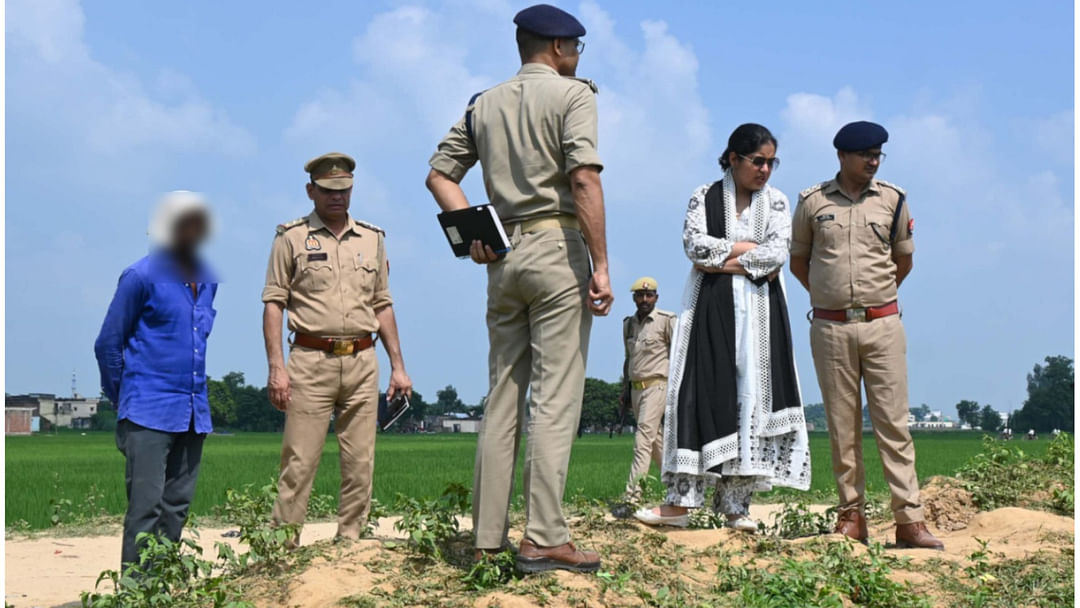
{"x":622,"y":510}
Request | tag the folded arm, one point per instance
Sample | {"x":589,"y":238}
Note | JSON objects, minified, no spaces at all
{"x":705,"y":251}
{"x":771,"y":255}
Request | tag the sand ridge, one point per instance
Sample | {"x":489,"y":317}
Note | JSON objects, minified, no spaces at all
{"x":47,"y":571}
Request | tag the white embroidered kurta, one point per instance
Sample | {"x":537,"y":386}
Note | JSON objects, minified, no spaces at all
{"x":771,"y":447}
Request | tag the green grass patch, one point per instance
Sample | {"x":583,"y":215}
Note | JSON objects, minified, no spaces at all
{"x":87,"y":471}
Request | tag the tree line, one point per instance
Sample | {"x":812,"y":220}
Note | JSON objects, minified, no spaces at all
{"x":238,"y":406}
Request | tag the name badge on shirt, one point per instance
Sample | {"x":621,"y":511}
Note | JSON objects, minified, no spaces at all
{"x":316,"y":257}
{"x":826,"y":218}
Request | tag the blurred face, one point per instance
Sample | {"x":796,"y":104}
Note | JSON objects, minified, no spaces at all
{"x":752,"y":171}
{"x":190,"y":231}
{"x":859,"y":167}
{"x":331,"y":205}
{"x":567,"y":55}
{"x":645,"y":300}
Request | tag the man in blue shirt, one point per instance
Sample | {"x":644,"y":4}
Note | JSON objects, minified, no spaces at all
{"x":152,"y":355}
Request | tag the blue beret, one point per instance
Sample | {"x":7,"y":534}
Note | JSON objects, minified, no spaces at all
{"x":550,"y":22}
{"x":861,"y":135}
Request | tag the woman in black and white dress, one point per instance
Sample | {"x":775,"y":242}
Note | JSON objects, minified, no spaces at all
{"x":734,"y":416}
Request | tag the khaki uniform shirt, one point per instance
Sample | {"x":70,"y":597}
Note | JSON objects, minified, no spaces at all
{"x":529,"y":133}
{"x":648,"y":343}
{"x":848,"y":243}
{"x":330,"y":286}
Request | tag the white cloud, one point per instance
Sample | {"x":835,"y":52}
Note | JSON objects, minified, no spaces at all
{"x":1054,"y":136}
{"x":416,"y":76}
{"x":99,"y":109}
{"x":413,"y":79}
{"x":653,"y":121}
{"x":817,"y":115}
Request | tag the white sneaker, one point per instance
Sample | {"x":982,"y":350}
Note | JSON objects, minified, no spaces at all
{"x":648,"y":516}
{"x":743,"y":524}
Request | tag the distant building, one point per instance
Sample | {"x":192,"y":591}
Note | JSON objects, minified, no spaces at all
{"x":18,"y":420}
{"x":932,"y":425}
{"x":52,"y":411}
{"x":457,"y":422}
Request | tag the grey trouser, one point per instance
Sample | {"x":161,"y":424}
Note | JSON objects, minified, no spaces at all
{"x":160,"y":477}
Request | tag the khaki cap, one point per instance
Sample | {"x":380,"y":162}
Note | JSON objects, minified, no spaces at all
{"x":644,"y":284}
{"x":332,"y":171}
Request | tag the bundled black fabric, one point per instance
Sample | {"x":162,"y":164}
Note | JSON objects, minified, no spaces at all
{"x":708,"y":396}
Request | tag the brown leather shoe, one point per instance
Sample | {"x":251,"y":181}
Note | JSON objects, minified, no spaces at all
{"x":916,"y":536}
{"x":533,"y":558}
{"x":852,"y":524}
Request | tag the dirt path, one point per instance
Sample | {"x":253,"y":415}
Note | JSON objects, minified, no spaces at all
{"x":52,"y":571}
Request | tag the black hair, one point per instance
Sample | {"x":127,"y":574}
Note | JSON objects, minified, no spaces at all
{"x":530,"y":44}
{"x":745,"y":140}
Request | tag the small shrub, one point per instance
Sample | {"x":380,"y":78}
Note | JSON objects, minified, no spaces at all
{"x":429,"y":524}
{"x":66,"y":511}
{"x":1003,"y":476}
{"x":797,"y":521}
{"x":168,"y":575}
{"x":491,"y":572}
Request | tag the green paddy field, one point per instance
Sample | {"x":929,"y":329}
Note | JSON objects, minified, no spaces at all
{"x":88,"y":470}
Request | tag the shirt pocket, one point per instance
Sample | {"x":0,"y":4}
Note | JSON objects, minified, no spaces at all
{"x":876,"y":231}
{"x":832,"y":228}
{"x":651,"y":341}
{"x":364,"y":273}
{"x":315,"y":276}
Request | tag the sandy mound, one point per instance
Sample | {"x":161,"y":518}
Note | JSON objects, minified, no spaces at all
{"x":50,"y":571}
{"x":948,"y":506}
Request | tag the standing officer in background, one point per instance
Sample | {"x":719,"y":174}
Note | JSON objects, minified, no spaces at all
{"x":851,"y":248}
{"x":647,"y":340}
{"x":535,"y":138}
{"x":331,"y":273}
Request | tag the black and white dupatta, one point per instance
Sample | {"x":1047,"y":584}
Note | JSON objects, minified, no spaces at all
{"x":733,"y":395}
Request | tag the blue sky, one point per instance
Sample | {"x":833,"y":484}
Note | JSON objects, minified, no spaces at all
{"x":111,"y":103}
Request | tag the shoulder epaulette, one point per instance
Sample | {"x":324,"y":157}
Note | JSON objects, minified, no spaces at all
{"x":370,"y":226}
{"x":812,"y":189}
{"x":893,"y":186}
{"x":281,"y":228}
{"x":665,"y":313}
{"x":586,"y":81}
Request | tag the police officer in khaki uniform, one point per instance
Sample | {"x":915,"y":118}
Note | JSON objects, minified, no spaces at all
{"x":535,"y":138}
{"x":647,"y":340}
{"x":851,"y":248}
{"x":330,"y":273}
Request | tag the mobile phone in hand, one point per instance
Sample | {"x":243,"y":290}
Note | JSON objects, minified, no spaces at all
{"x":395,"y":408}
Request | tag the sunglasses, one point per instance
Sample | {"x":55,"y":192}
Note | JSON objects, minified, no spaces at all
{"x":761,"y":161}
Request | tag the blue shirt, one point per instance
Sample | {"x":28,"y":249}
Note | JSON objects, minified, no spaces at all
{"x":152,"y":347}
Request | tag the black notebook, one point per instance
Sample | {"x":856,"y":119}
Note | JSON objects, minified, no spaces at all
{"x":479,"y":223}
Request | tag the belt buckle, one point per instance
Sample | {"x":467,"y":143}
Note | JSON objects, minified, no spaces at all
{"x":343,"y":347}
{"x":856,"y":314}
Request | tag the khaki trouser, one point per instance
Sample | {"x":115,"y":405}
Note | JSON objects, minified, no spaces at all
{"x":323,"y":383}
{"x":648,"y":407}
{"x":874,"y":352}
{"x":538,"y":327}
